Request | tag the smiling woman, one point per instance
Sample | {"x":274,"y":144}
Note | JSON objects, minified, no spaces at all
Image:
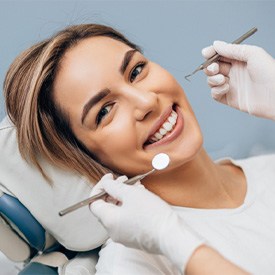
{"x":88,"y":100}
{"x":127,"y":105}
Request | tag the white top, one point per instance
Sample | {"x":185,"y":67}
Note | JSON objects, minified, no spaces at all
{"x":244,"y":235}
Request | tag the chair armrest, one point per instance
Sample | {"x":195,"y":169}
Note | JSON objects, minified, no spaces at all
{"x":21,"y":217}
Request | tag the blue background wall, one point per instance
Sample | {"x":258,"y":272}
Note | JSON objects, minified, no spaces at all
{"x":172,"y":33}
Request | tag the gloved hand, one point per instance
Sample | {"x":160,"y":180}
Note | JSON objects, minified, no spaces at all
{"x":244,"y":78}
{"x":144,"y":221}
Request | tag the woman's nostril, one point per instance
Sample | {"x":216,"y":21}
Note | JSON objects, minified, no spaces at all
{"x":147,"y":115}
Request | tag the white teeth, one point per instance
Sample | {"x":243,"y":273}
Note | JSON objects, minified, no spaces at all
{"x":172,"y":119}
{"x":167,"y":126}
{"x":162,"y":131}
{"x":154,"y":138}
{"x":158,"y":135}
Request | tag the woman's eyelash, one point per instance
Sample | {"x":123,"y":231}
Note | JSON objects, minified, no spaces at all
{"x":103,"y":112}
{"x":135,"y":72}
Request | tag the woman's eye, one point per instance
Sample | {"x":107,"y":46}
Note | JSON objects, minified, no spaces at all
{"x":102,"y":113}
{"x":136,"y":71}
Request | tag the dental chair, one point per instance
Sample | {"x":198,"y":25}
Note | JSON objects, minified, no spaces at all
{"x":31,"y":231}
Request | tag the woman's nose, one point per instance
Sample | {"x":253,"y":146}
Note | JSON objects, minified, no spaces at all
{"x":143,"y":101}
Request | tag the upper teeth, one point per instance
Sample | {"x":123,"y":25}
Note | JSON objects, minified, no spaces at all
{"x":166,"y":127}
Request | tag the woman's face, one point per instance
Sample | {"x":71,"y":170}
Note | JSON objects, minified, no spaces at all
{"x":125,"y":108}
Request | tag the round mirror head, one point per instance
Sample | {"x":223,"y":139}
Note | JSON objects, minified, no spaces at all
{"x":160,"y":161}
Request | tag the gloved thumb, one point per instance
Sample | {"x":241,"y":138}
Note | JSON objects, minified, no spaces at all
{"x":233,"y":51}
{"x":104,"y":211}
{"x":98,"y":207}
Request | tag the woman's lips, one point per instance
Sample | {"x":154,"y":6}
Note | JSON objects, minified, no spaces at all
{"x":169,"y":137}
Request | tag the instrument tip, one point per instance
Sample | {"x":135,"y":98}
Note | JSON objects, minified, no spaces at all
{"x":186,"y":77}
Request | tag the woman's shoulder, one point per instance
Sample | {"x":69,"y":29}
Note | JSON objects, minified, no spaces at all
{"x":260,"y":162}
{"x":259,"y":171}
{"x":117,"y":259}
{"x":256,"y":165}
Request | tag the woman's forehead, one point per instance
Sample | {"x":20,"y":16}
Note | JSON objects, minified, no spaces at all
{"x":93,"y":56}
{"x":90,"y":54}
{"x":98,"y":47}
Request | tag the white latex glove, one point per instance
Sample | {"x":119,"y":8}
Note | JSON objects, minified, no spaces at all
{"x":144,"y":221}
{"x":244,"y":78}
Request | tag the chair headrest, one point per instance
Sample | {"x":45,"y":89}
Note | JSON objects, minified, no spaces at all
{"x":79,"y":230}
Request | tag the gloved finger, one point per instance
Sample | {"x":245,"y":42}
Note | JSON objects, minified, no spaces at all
{"x":223,"y":99}
{"x":220,"y":67}
{"x":139,"y":184}
{"x":122,"y":178}
{"x":216,"y":80}
{"x":98,"y":187}
{"x":116,"y":189}
{"x":96,"y":204}
{"x":232,"y":51}
{"x":219,"y":97}
{"x":225,"y":60}
{"x":212,"y":69}
{"x":104,"y":211}
{"x":218,"y":92}
{"x":224,"y":68}
{"x":110,"y":199}
{"x":107,"y":176}
{"x":208,"y":52}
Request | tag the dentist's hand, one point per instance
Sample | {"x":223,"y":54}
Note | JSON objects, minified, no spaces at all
{"x":142,"y":220}
{"x":244,"y":78}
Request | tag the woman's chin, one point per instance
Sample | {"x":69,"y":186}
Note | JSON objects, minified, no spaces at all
{"x":186,"y":152}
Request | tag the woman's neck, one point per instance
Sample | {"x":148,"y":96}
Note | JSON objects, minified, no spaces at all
{"x":200,"y":183}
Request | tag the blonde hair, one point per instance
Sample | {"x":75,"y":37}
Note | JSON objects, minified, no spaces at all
{"x":42,"y":128}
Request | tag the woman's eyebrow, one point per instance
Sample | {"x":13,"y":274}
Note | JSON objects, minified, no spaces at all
{"x":126,"y":60}
{"x":93,"y":101}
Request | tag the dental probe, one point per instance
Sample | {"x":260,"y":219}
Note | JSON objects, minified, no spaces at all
{"x":159,"y":162}
{"x":216,"y":57}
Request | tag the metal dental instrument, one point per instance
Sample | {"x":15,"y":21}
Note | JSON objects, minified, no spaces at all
{"x":216,"y":57}
{"x":102,"y":194}
{"x":159,"y":162}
